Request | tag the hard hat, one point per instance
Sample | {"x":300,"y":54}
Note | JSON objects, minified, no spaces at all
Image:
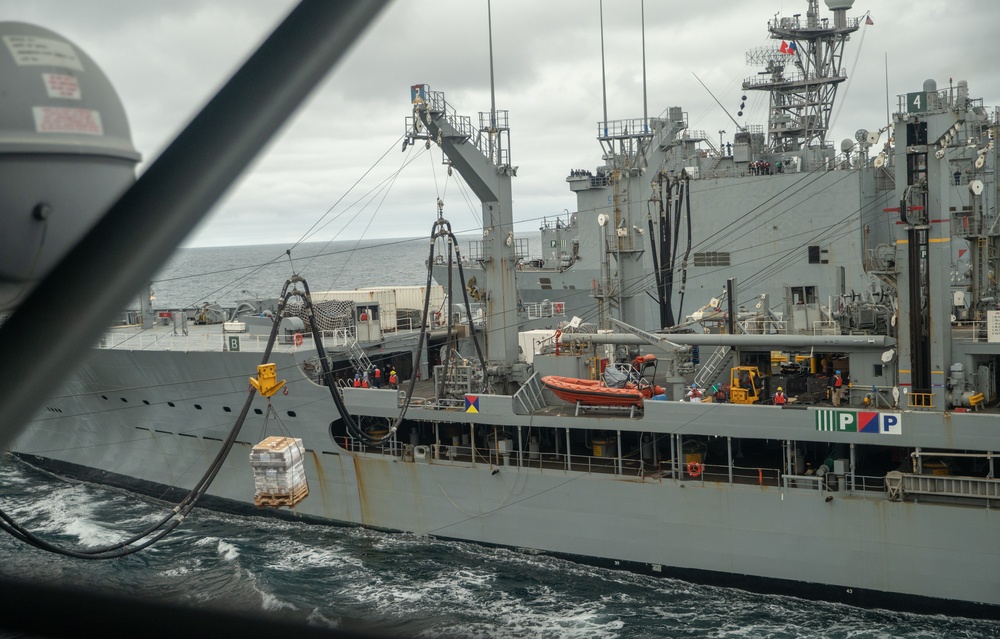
{"x":694,"y":386}
{"x":838,"y":372}
{"x":779,"y":388}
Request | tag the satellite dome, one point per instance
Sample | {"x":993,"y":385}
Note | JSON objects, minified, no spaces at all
{"x":833,"y":5}
{"x":846,"y":144}
{"x":930,"y":85}
{"x":66,"y":152}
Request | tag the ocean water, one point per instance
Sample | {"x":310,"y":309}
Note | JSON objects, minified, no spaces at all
{"x":395,"y":584}
{"x":223,"y":275}
{"x":389,"y":584}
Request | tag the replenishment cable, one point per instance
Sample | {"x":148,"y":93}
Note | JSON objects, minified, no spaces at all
{"x":160,"y":529}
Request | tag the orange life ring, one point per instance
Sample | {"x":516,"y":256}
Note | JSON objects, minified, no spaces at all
{"x":298,"y":339}
{"x":694,"y":469}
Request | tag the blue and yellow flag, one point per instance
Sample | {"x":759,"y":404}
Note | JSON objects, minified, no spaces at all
{"x":471,"y":404}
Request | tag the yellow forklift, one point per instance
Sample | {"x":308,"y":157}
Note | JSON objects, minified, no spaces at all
{"x":746,"y":385}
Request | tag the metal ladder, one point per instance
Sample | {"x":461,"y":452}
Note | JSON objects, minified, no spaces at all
{"x":529,"y":397}
{"x":982,"y":259}
{"x":710,"y":369}
{"x":359,"y":359}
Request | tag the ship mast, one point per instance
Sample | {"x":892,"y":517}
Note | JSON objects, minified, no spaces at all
{"x":482,"y":157}
{"x":803,"y":74}
{"x":625,"y":144}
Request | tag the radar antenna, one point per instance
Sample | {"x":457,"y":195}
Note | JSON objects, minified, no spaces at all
{"x":802,"y":74}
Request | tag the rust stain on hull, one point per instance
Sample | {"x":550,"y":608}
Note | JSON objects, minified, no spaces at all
{"x":362,"y":495}
{"x":321,"y":480}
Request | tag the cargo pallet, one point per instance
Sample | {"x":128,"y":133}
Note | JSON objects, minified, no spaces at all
{"x":277,"y":500}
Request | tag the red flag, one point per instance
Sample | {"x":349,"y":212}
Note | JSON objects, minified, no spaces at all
{"x":868,"y":20}
{"x":784,"y":47}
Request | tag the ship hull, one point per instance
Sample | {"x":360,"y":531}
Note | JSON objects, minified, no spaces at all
{"x":772,"y":542}
{"x":852,"y":546}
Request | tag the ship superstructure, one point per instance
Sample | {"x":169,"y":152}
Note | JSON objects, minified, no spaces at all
{"x":672,"y":211}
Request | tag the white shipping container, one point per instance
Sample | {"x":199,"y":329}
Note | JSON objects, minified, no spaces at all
{"x":389,"y":298}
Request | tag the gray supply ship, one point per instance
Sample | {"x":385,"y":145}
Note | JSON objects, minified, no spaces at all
{"x":857,"y":278}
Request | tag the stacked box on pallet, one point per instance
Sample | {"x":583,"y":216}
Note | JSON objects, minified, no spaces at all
{"x":279,"y":474}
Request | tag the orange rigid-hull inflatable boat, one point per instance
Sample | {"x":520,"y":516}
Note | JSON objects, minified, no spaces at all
{"x":594,"y":392}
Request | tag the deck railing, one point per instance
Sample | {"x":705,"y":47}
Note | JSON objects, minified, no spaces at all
{"x":894,"y":486}
{"x":138,"y":340}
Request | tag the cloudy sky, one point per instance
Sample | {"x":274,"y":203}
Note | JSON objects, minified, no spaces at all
{"x":167,"y":58}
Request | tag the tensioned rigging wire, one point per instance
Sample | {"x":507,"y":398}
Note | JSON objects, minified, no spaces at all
{"x":829,"y":229}
{"x":833,"y":231}
{"x":781,"y":199}
{"x":774,"y":266}
{"x":783,"y":261}
{"x":384,"y":188}
{"x":313,"y":229}
{"x":719,"y":238}
{"x":765,"y":207}
{"x":727,"y":92}
{"x":850,"y":76}
{"x":642,"y":282}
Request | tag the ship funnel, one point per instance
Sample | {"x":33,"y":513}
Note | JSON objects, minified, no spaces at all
{"x":66,"y":153}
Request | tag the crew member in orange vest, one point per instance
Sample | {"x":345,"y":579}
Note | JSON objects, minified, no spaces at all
{"x":393,"y":380}
{"x":378,"y":377}
{"x":779,"y":398}
{"x":838,"y":386}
